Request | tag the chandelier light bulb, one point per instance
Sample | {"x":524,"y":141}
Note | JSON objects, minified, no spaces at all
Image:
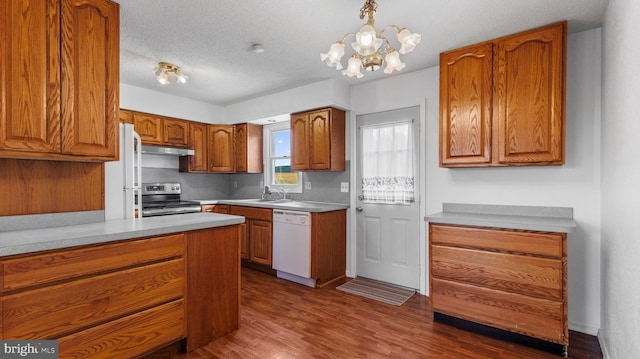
{"x":333,"y":57}
{"x":393,"y":62}
{"x":353,"y":69}
{"x":366,"y":41}
{"x":408,"y":40}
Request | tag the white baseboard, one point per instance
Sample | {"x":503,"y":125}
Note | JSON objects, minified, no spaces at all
{"x":583,"y":328}
{"x":603,"y":346}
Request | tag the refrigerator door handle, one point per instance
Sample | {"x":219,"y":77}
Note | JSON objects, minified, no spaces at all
{"x":137,"y":183}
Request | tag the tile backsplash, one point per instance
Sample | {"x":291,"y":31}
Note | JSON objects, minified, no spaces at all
{"x":325,"y":186}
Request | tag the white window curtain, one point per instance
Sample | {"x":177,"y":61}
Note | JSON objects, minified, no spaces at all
{"x":388,"y":163}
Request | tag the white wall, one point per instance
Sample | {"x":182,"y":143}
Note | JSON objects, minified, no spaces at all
{"x":143,"y":100}
{"x":316,"y":95}
{"x":576,"y":184}
{"x":621,"y":181}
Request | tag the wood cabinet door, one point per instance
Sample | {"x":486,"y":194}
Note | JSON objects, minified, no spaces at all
{"x":126,"y":116}
{"x":241,"y":147}
{"x":530,"y":95}
{"x":198,"y":133}
{"x":260,"y":241}
{"x":249,"y":148}
{"x":320,"y":140}
{"x":465,"y":105}
{"x":30,"y":76}
{"x":300,"y":141}
{"x":221,"y":148}
{"x":149,"y":128}
{"x":244,"y":241}
{"x":175,"y":132}
{"x":90,"y":77}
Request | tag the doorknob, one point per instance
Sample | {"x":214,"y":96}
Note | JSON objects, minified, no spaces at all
{"x":359,"y":209}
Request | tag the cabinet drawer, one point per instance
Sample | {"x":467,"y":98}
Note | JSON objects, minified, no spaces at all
{"x":128,"y":337}
{"x":535,"y":243}
{"x":538,"y":277}
{"x":252,"y":212}
{"x":55,"y":310}
{"x":539,"y":318}
{"x":51,"y":267}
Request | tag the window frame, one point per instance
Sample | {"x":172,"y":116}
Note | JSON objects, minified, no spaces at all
{"x":268,"y":132}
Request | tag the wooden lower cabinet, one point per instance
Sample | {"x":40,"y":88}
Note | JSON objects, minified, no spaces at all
{"x":85,"y":297}
{"x":261,"y":241}
{"x":128,"y":337}
{"x":506,"y":279}
{"x":328,"y":246}
{"x":125,"y":299}
{"x":256,"y":235}
{"x":215,"y":208}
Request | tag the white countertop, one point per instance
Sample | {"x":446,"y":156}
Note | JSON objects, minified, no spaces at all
{"x":294,"y":205}
{"x":532,"y":218}
{"x":28,"y":241}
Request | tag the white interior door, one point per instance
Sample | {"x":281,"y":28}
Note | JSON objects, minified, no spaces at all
{"x":388,"y":234}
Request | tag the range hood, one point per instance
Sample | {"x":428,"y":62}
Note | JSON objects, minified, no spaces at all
{"x":166,"y":151}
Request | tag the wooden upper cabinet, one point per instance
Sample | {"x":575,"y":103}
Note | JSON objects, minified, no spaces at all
{"x":90,"y":77}
{"x":30,"y":76}
{"x":198,"y":133}
{"x":249,"y":148}
{"x":59,"y":79}
{"x":221,"y":148}
{"x":126,"y":116}
{"x":530,"y":103}
{"x":149,"y":127}
{"x":502,"y":102}
{"x":175,"y":132}
{"x":318,"y":140}
{"x":299,"y":141}
{"x":159,"y":130}
{"x":465,"y":105}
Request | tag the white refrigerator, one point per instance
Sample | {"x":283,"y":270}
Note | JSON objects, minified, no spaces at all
{"x":123,"y":178}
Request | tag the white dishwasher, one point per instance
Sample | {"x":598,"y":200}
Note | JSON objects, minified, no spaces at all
{"x":292,"y":246}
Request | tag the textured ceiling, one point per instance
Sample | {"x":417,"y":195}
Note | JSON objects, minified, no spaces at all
{"x":211,"y":39}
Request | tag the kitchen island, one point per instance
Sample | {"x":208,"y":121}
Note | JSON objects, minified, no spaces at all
{"x":122,"y":288}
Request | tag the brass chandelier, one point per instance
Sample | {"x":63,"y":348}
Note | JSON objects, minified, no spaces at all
{"x":369,"y":47}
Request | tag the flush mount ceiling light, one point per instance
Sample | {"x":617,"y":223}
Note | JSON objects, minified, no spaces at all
{"x":165,"y":70}
{"x":369,"y":47}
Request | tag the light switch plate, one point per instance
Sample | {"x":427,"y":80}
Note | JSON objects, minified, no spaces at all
{"x":307,"y":185}
{"x":344,"y":186}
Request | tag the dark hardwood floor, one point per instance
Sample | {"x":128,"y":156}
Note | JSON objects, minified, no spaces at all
{"x":281,"y":319}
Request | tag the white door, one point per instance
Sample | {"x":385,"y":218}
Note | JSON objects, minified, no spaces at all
{"x":388,"y":210}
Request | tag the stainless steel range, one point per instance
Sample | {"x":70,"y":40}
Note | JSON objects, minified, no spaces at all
{"x":159,"y":199}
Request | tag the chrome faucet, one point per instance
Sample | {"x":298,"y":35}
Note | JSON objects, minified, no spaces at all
{"x":282,"y":192}
{"x":265,"y":192}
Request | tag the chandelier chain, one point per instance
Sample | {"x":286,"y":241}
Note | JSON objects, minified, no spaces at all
{"x":370,"y":7}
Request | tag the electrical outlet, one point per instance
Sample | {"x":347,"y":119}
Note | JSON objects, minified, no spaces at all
{"x":235,"y":184}
{"x":307,"y":185}
{"x":344,"y":186}
{"x":261,"y":184}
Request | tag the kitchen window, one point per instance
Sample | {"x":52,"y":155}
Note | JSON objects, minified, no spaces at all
{"x":278,"y":174}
